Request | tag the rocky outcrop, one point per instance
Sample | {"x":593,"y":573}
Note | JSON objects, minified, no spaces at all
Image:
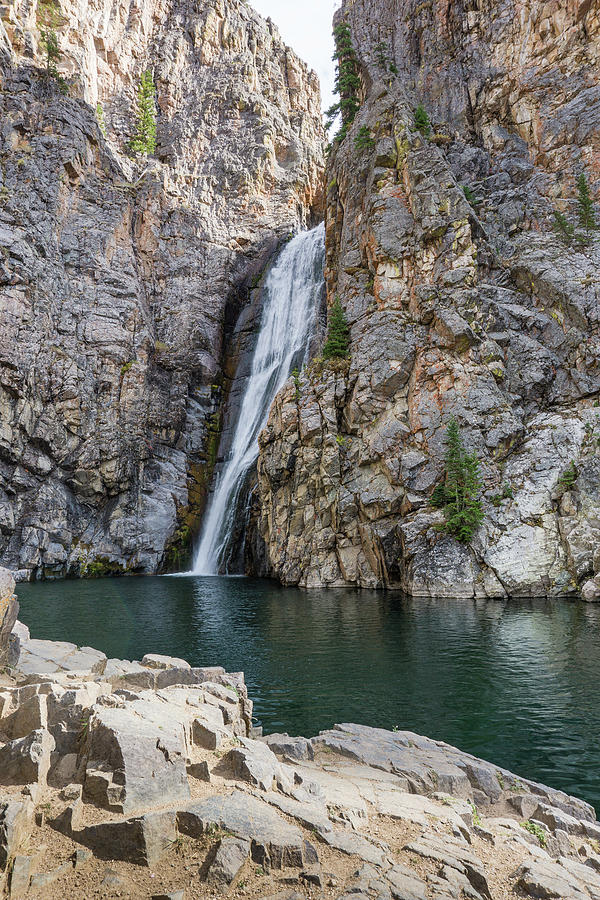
{"x":113,"y":764}
{"x":121,"y":278}
{"x":461,"y":303}
{"x":9,"y":610}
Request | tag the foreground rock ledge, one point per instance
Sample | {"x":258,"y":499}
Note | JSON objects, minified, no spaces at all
{"x":144,"y":779}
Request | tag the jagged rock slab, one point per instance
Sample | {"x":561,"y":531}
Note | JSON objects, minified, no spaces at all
{"x":45,"y":657}
{"x":231,"y":855}
{"x":354,"y":844}
{"x":144,"y":758}
{"x":16,"y":823}
{"x":143,"y":840}
{"x":27,"y":759}
{"x":275,"y":843}
{"x":431,"y":766}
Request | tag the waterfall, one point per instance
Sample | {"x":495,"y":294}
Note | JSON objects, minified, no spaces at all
{"x":291,"y":294}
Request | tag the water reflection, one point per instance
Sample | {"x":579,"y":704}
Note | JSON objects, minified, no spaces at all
{"x":517,"y":683}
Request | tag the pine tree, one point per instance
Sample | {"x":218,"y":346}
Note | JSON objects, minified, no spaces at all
{"x":587,"y":216}
{"x":422,"y":122}
{"x":145,"y":138}
{"x":463,"y":511}
{"x":100,"y":118}
{"x":347,"y":81}
{"x":563,"y":226}
{"x":337,"y":345}
{"x":49,"y":18}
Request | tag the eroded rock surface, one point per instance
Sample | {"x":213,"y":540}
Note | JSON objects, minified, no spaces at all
{"x":356,"y":812}
{"x":474,"y":309}
{"x":120,"y":278}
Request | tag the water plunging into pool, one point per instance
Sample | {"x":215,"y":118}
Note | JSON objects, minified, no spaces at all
{"x":291,"y":295}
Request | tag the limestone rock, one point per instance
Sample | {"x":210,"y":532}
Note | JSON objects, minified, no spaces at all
{"x":291,"y":747}
{"x":9,"y":610}
{"x":144,"y":758}
{"x":156,"y":661}
{"x":591,"y":590}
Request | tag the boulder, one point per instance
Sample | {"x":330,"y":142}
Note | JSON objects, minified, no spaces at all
{"x":231,"y":855}
{"x":143,"y":840}
{"x":30,"y":715}
{"x":591,"y":590}
{"x":16,"y":822}
{"x":144,"y":756}
{"x":298,"y":748}
{"x":26,"y":760}
{"x":20,"y":875}
{"x":274,"y":843}
{"x":9,"y":610}
{"x":156,"y":661}
{"x":255,"y":763}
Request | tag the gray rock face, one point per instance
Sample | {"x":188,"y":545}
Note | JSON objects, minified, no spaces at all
{"x":143,"y":840}
{"x":274,"y":842}
{"x":231,"y":855}
{"x":134,"y":760}
{"x":9,"y":610}
{"x":479,"y":310}
{"x":16,"y":820}
{"x":26,"y":760}
{"x":121,"y":279}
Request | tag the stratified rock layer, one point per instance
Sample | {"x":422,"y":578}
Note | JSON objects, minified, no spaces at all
{"x":120,"y":278}
{"x":474,"y":309}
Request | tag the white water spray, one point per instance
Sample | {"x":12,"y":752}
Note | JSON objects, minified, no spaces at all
{"x":291,"y":293}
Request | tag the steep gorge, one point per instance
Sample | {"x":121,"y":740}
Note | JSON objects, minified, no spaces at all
{"x":121,"y":279}
{"x":473,"y":309}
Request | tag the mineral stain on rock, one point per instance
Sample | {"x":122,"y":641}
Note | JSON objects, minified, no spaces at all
{"x":464,"y":301}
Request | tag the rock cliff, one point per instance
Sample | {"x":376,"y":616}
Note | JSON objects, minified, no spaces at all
{"x":122,"y":278}
{"x":463,"y":301}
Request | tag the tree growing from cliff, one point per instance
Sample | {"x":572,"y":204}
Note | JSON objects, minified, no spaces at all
{"x":563,"y":227}
{"x":587,"y":215}
{"x":49,"y":18}
{"x":422,"y":122}
{"x":144,"y":141}
{"x":337,"y":345}
{"x":459,"y":494}
{"x":347,"y":81}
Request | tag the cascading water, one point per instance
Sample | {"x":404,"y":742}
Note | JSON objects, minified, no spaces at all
{"x":291,"y":294}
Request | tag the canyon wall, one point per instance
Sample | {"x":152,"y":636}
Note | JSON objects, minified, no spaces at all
{"x":462,"y":303}
{"x":121,"y":278}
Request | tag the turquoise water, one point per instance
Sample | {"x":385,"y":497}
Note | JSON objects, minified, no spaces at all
{"x":517,"y":683}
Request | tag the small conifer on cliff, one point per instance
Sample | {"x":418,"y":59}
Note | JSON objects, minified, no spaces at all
{"x":587,"y":215}
{"x":337,"y":345}
{"x":144,"y":141}
{"x":459,"y":494}
{"x":49,"y":18}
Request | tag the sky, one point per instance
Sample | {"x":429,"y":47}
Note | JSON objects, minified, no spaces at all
{"x":306,"y":27}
